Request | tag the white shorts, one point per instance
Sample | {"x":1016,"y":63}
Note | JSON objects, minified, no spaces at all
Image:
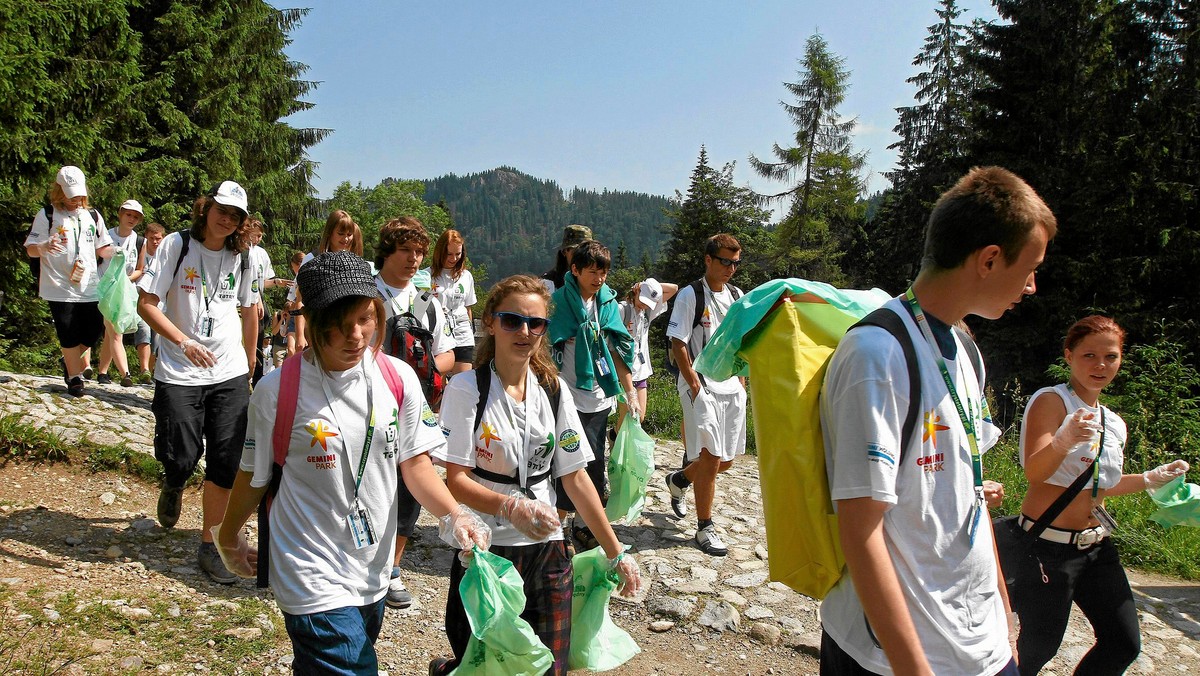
{"x":714,"y":422}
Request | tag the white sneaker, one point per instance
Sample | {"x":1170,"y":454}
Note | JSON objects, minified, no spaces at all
{"x":678,"y":496}
{"x":398,"y":596}
{"x":709,"y":542}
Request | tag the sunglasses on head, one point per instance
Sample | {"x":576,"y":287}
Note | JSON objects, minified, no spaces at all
{"x":727,"y":262}
{"x":511,"y":321}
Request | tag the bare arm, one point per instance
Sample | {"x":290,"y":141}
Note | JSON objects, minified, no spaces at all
{"x":243,"y":500}
{"x":140,"y":268}
{"x":105,"y":251}
{"x":1129,"y":483}
{"x":860,"y":522}
{"x":250,"y":334}
{"x":587,"y":503}
{"x":669,"y":290}
{"x":426,"y":486}
{"x":157,"y":320}
{"x":470,"y":492}
{"x":444,"y":361}
{"x":1041,"y":458}
{"x":684,"y":361}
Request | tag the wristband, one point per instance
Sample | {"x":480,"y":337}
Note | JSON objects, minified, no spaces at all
{"x":184,"y":343}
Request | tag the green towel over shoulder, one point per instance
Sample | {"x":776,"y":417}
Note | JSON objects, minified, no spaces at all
{"x":570,"y":320}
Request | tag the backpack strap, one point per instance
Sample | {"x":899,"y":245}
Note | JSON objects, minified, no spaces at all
{"x":972,"y":354}
{"x":285,"y":411}
{"x":183,"y":251}
{"x":392,"y":378}
{"x":483,"y":382}
{"x":892,"y":323}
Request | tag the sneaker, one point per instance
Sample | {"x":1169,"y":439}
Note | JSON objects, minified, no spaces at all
{"x":437,"y":667}
{"x":398,"y":596}
{"x":211,"y":564}
{"x":678,"y":496}
{"x":103,"y":379}
{"x":584,"y":539}
{"x":709,"y":542}
{"x":75,"y":386}
{"x":170,"y":502}
{"x":126,"y":381}
{"x":88,"y":373}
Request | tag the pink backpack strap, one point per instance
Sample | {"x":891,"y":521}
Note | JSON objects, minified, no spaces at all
{"x":285,"y":411}
{"x":391,"y":378}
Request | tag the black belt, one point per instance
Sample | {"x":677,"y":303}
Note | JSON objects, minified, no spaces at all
{"x":511,"y":480}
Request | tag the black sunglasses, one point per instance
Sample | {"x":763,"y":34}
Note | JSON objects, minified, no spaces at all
{"x":727,"y":262}
{"x":511,"y":321}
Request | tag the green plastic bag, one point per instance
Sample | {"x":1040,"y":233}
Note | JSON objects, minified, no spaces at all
{"x":118,"y":296}
{"x":1178,"y":502}
{"x":629,"y":467}
{"x":501,"y":644}
{"x":596,"y":643}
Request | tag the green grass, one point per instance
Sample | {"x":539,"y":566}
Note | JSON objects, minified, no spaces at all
{"x":1143,"y":543}
{"x":23,"y":442}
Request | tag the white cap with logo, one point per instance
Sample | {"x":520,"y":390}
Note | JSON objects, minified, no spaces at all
{"x":650,"y":293}
{"x":71,"y":180}
{"x":231,"y":194}
{"x":133,"y":205}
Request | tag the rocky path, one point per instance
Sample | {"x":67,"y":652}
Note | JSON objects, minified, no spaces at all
{"x":86,"y":570}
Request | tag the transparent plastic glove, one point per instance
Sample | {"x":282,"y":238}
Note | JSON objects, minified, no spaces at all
{"x":993,"y":493}
{"x":462,"y":529}
{"x":635,"y":406}
{"x":241,"y":560}
{"x":1082,"y":425}
{"x":1160,"y":476}
{"x":629,"y":574}
{"x":534,"y":518}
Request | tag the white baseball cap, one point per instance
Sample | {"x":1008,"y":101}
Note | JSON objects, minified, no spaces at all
{"x":650,"y":293}
{"x":133,"y":205}
{"x":231,"y":194}
{"x":72,"y":182}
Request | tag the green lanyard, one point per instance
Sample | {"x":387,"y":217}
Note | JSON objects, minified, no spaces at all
{"x":366,"y":450}
{"x":968,"y":421}
{"x":1099,"y":448}
{"x":204,"y":282}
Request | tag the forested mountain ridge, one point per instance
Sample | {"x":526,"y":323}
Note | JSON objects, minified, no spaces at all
{"x":513,"y":222}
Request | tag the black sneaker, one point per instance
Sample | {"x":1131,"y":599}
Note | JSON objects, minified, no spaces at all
{"x":75,"y":386}
{"x":398,"y":596}
{"x":709,"y":542}
{"x":678,"y":496}
{"x":210,"y":562}
{"x":104,"y":379}
{"x":88,"y":373}
{"x":170,"y":502}
{"x":126,"y":381}
{"x":584,"y":539}
{"x":438,"y":666}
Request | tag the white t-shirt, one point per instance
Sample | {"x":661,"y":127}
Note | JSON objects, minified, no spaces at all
{"x":398,"y":301}
{"x":499,"y":444}
{"x":82,"y":236}
{"x":638,"y":323}
{"x":716,"y":306}
{"x":949,"y":584}
{"x":1081,"y":455}
{"x":315,"y":565}
{"x":457,"y":296}
{"x":125,"y":244}
{"x":260,"y":269}
{"x":209,"y":283}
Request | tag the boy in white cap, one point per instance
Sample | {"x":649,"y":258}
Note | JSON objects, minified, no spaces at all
{"x":205,"y":354}
{"x":67,"y":237}
{"x":124,"y":239}
{"x":646,"y":301}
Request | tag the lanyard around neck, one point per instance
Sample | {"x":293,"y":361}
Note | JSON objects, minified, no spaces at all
{"x":1099,"y":448}
{"x":394,"y":302}
{"x":204,"y":281}
{"x":510,"y":412}
{"x":366,"y":449}
{"x":964,"y":416}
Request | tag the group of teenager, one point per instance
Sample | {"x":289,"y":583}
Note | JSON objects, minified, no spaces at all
{"x":521,"y":428}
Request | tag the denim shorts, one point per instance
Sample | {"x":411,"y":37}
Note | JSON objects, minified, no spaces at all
{"x":338,"y":641}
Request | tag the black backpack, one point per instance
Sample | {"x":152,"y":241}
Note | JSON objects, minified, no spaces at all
{"x":483,"y":382}
{"x":697,"y":288}
{"x":411,"y":341}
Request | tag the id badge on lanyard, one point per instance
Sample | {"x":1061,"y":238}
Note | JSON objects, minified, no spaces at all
{"x":362,"y":532}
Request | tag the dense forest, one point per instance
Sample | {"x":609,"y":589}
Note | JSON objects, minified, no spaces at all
{"x":513,"y":222}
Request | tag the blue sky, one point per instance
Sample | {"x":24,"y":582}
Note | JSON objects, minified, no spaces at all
{"x":616,"y":95}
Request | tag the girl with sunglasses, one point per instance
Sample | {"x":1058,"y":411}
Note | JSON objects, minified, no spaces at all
{"x":502,"y":462}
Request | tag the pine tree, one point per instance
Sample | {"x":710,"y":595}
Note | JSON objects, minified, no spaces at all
{"x":822,"y":167}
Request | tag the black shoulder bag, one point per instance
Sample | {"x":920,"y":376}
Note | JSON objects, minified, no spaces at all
{"x":1015,"y":544}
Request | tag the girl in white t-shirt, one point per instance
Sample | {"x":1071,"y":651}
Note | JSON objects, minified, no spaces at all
{"x":645,"y":301}
{"x":454,"y":286}
{"x":333,"y":519}
{"x":505,"y":465}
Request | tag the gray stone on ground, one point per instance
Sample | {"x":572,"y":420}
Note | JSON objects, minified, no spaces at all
{"x":720,"y":616}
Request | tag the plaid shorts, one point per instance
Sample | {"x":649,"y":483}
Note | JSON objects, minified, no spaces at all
{"x":546,"y":570}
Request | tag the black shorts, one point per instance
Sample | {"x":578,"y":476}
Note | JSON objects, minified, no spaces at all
{"x":464,"y":354}
{"x":190,"y":420}
{"x":77,"y":324}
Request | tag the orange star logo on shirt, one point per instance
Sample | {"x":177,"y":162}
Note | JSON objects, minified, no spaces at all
{"x":933,"y":425}
{"x":320,"y":433}
{"x":190,"y":273}
{"x":62,"y":230}
{"x":489,"y":435}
